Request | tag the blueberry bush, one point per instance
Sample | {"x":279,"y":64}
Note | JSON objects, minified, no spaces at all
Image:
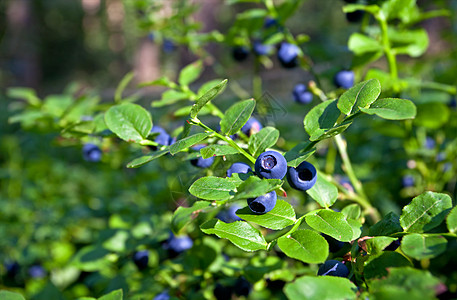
{"x":220,"y":189}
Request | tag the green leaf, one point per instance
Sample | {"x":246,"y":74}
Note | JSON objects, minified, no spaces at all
{"x":217,"y":150}
{"x":281,"y":216}
{"x":361,"y":44}
{"x":262,"y":140}
{"x":451,"y":220}
{"x":392,"y":109}
{"x":208,"y":96}
{"x":305,"y":245}
{"x":405,"y":283}
{"x":320,"y":122}
{"x":241,"y":234}
{"x":185,"y":111}
{"x":129,"y":121}
{"x":323,"y":192}
{"x":207,"y":86}
{"x":378,"y":265}
{"x":322,"y":287}
{"x":254,"y":187}
{"x":360,"y":95}
{"x":413,"y":42}
{"x":7,"y":295}
{"x":114,"y":295}
{"x":187,"y":142}
{"x":91,"y":258}
{"x":141,"y":161}
{"x":170,"y":97}
{"x":376,"y":244}
{"x":425,"y":212}
{"x":213,"y":188}
{"x":162,"y":81}
{"x":356,"y":226}
{"x":236,"y":116}
{"x":421,"y":246}
{"x":190,"y":73}
{"x":432,"y":115}
{"x":27,"y":94}
{"x":297,"y":154}
{"x":122,"y":85}
{"x":331,"y":223}
{"x":389,"y":224}
{"x":352,"y":211}
{"x":183,"y":215}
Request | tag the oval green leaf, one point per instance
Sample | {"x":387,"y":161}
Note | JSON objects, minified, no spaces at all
{"x":360,"y":95}
{"x":236,"y":116}
{"x":425,"y":212}
{"x":187,"y":142}
{"x":281,"y":216}
{"x":213,"y":188}
{"x":323,"y":192}
{"x":305,"y":245}
{"x":322,"y":287}
{"x":331,"y":223}
{"x":419,"y":246}
{"x":129,"y":121}
{"x":262,"y":140}
{"x":241,"y":234}
{"x":392,"y":109}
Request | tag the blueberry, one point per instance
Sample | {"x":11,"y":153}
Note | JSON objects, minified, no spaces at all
{"x":302,"y":177}
{"x":301,"y":94}
{"x":179,"y":244}
{"x":92,"y":152}
{"x":429,"y":143}
{"x":162,"y":296}
{"x":333,"y":244}
{"x":238,"y":167}
{"x":407,"y":180}
{"x":288,"y":55}
{"x":12,"y":268}
{"x":141,"y":259}
{"x":163,"y":138}
{"x":201,"y":162}
{"x":222,"y":292}
{"x":355,"y":16}
{"x":168,"y":46}
{"x":333,"y":268}
{"x":393,"y":246}
{"x":263,"y":204}
{"x":240,"y":53}
{"x":262,"y":49}
{"x":271,"y":165}
{"x":252,"y":126}
{"x":242,"y":287}
{"x":229,"y":215}
{"x":269,"y":22}
{"x":36,"y":271}
{"x":452,"y":103}
{"x":344,"y":79}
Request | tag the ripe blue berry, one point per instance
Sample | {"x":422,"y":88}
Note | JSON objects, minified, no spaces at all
{"x":168,"y":46}
{"x":141,"y":259}
{"x":429,"y":143}
{"x":408,"y":180}
{"x":201,"y":162}
{"x":270,"y":22}
{"x":37,"y":271}
{"x":263,"y":204}
{"x":271,"y":165}
{"x":302,"y":177}
{"x":92,"y":152}
{"x":288,"y":55}
{"x":163,"y":138}
{"x":240,"y":53}
{"x":393,"y":246}
{"x":452,"y":103}
{"x":162,"y":296}
{"x":238,"y":167}
{"x":252,"y":126}
{"x":333,"y":268}
{"x":333,"y":244}
{"x":222,"y":292}
{"x":12,"y":268}
{"x":301,"y":94}
{"x":229,"y":215}
{"x":180,"y":244}
{"x":242,"y":287}
{"x":262,"y":49}
{"x":344,"y":79}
